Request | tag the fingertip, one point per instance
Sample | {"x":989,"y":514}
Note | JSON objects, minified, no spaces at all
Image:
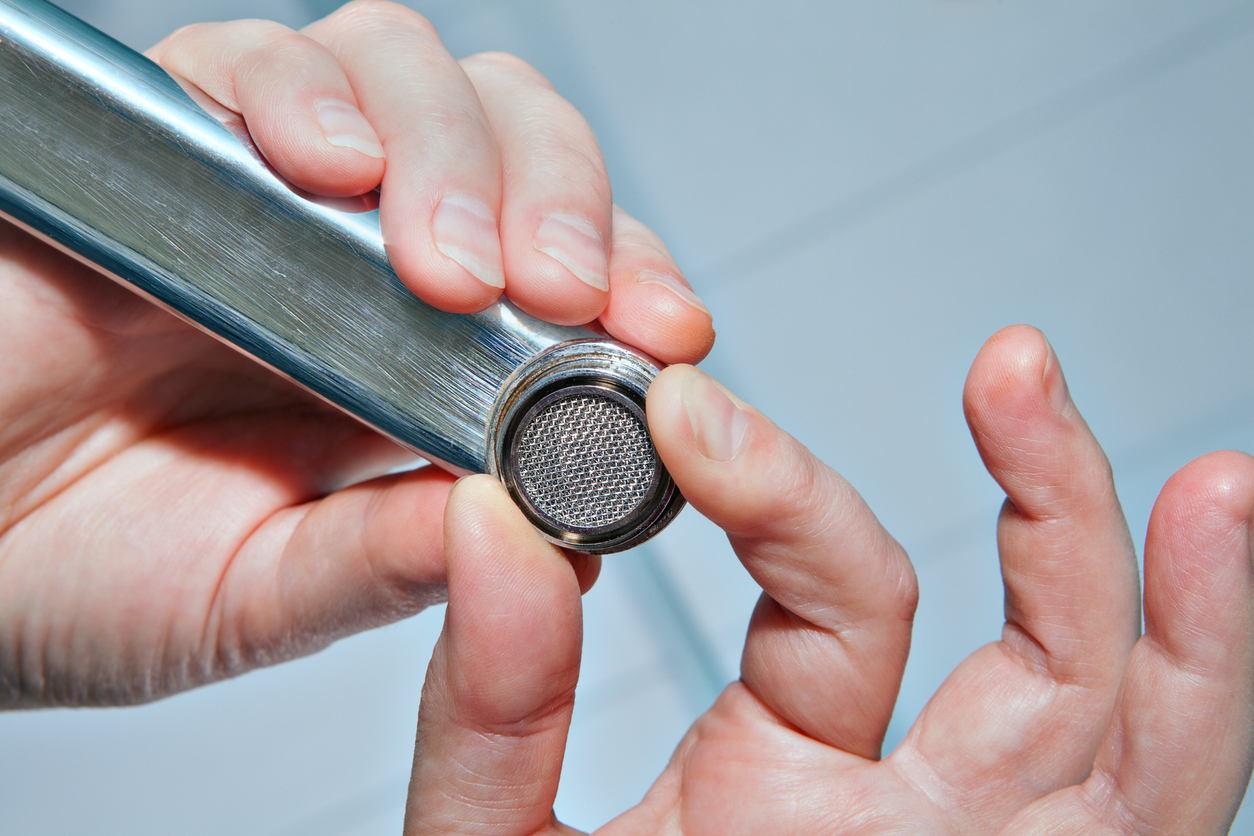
{"x":658,"y":313}
{"x":487,"y":536}
{"x":464,"y":230}
{"x":1224,"y":479}
{"x":690,"y":414}
{"x":587,"y":569}
{"x":1028,"y":432}
{"x":556,"y":262}
{"x":345,"y":126}
{"x":480,"y":514}
{"x":1205,"y":504}
{"x":670,"y":408}
{"x":557,"y":272}
{"x":1010,"y":365}
{"x":575,"y":244}
{"x":651,"y":304}
{"x":679,"y":290}
{"x":317,"y":141}
{"x":730,"y":462}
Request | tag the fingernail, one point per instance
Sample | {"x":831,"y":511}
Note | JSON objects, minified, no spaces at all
{"x":675,"y":286}
{"x":464,"y":229}
{"x":344,"y":126}
{"x":1056,"y":384}
{"x":576,"y":245}
{"x":718,"y":425}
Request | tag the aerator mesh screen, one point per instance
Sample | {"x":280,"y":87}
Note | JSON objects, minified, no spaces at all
{"x":585,"y":461}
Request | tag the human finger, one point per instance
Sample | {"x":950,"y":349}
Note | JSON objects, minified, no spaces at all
{"x":1023,"y":717}
{"x":207,"y":538}
{"x":297,"y":104}
{"x":1177,"y":756}
{"x":556,"y":206}
{"x":497,"y":701}
{"x":651,"y":304}
{"x":839,"y":592}
{"x":361,"y":557}
{"x":441,"y":195}
{"x":558,"y":224}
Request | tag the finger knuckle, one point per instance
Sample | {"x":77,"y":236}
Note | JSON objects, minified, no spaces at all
{"x":275,"y":52}
{"x":816,"y":505}
{"x":382,"y":15}
{"x":509,"y":64}
{"x":574,"y":162}
{"x":281,"y":43}
{"x":258,"y":36}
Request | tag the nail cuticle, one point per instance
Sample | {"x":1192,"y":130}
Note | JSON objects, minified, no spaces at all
{"x":574,"y":243}
{"x":675,"y":286}
{"x":464,"y":229}
{"x":344,"y":126}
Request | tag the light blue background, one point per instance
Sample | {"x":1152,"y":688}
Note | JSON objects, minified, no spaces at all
{"x":862,"y":192}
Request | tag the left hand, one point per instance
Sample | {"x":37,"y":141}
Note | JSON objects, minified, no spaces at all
{"x":171,"y":513}
{"x":1069,"y":724}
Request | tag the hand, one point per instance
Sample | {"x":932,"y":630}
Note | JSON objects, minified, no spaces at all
{"x":1069,"y":724}
{"x":170,"y":512}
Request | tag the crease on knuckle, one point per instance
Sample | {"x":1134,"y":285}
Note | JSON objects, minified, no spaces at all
{"x":482,"y":795}
{"x":401,"y":596}
{"x":1106,"y":805}
{"x":939,"y":794}
{"x":555,"y":154}
{"x":510,"y":726}
{"x":814,"y":505}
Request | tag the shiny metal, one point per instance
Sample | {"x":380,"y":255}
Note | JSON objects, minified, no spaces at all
{"x":106,"y":156}
{"x":569,"y":370}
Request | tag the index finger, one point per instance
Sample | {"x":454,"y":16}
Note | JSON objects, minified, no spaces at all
{"x":839,"y":592}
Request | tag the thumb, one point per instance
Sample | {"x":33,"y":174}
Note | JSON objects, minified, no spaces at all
{"x":497,"y":702}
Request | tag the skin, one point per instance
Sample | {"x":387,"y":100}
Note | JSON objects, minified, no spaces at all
{"x":171,"y":513}
{"x":1072,"y":723}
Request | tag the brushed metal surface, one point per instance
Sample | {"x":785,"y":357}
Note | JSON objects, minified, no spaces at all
{"x":106,"y":156}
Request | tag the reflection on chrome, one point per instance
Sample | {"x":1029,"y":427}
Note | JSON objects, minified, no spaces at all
{"x":106,"y":156}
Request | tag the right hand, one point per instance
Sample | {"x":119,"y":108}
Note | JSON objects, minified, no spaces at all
{"x":1071,"y":723}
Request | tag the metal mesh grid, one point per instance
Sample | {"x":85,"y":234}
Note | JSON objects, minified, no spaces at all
{"x":585,"y":461}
